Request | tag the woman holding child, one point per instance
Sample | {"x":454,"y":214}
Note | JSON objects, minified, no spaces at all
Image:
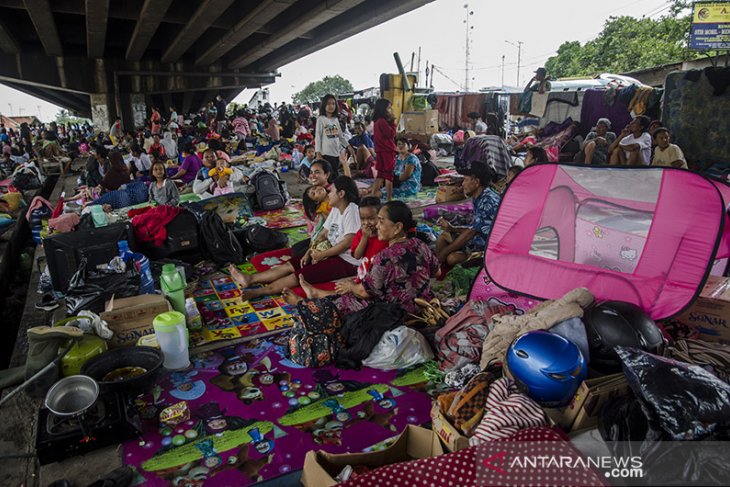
{"x":329,"y":256}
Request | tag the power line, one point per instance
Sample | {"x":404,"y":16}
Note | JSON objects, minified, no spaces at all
{"x":436,"y":68}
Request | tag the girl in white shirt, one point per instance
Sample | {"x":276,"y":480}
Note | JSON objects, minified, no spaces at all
{"x":317,"y":265}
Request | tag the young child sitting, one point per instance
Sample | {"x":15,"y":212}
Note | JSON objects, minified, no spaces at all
{"x":162,"y":191}
{"x":222,"y":180}
{"x":365,"y":246}
{"x":315,"y":201}
{"x":365,"y":243}
{"x":306,"y":165}
{"x":667,"y":154}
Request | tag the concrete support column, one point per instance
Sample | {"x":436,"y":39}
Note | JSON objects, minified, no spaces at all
{"x":102,"y":110}
{"x":139,"y":109}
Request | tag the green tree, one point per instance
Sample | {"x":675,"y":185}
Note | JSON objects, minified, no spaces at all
{"x":627,"y":44}
{"x":314,"y":91}
{"x":64,"y":116}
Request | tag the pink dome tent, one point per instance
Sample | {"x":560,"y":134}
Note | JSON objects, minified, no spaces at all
{"x":649,"y":236}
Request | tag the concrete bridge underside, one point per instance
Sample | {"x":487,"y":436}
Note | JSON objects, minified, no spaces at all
{"x":101,"y":59}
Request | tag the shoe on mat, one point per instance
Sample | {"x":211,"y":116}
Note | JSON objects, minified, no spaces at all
{"x":47,"y":302}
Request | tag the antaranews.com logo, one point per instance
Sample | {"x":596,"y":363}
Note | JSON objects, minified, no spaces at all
{"x":550,"y":463}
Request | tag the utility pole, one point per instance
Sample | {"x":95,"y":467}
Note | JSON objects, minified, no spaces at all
{"x":518,"y":45}
{"x":10,"y":105}
{"x":418,"y":78}
{"x":519,"y":61}
{"x":468,"y":46}
{"x":502,"y":70}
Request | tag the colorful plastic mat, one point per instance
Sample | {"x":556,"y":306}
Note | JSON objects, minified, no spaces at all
{"x":227,"y":316}
{"x":296,"y":234}
{"x":253,"y":415}
{"x":292,"y":215}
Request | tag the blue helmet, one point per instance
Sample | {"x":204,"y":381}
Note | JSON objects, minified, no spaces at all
{"x":547,"y":367}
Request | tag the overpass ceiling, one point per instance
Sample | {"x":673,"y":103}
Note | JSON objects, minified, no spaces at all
{"x":251,"y":36}
{"x":180,"y":50}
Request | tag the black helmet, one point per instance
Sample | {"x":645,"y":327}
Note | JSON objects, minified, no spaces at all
{"x":617,"y":323}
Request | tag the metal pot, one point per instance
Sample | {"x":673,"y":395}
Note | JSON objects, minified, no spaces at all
{"x":145,"y":357}
{"x":72,"y":396}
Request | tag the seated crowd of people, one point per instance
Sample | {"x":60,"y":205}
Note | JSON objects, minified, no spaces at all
{"x":364,"y":240}
{"x":642,"y":142}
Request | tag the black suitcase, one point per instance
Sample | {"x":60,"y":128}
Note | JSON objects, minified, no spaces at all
{"x":182,"y":240}
{"x":64,"y":251}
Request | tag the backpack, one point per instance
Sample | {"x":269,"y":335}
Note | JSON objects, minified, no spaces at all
{"x":270,"y":194}
{"x":220,"y":243}
{"x":314,"y":341}
{"x":27,"y":177}
{"x":429,"y":172}
{"x":263,"y":239}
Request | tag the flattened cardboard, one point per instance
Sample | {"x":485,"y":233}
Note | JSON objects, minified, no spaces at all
{"x":131,"y":318}
{"x":585,"y":407}
{"x":710,"y":313}
{"x":321,"y":468}
{"x":449,"y":434}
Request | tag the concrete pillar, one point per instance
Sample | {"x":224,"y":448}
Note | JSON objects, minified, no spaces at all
{"x":102,"y":110}
{"x":139,"y":109}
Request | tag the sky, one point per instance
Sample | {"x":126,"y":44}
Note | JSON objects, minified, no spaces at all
{"x":439,"y":29}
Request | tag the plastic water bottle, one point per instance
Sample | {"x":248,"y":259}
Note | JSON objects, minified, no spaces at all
{"x":124,"y":251}
{"x":141,"y":263}
{"x":173,"y":285}
{"x":172,"y":336}
{"x":147,"y":282}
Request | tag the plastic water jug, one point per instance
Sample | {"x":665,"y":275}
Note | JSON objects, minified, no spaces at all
{"x":173,"y":285}
{"x":172,"y":336}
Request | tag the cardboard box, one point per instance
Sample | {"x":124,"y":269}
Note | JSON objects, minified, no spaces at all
{"x":449,"y":192}
{"x":710,"y":313}
{"x":131,"y":318}
{"x":449,"y":434}
{"x":426,"y":122}
{"x":583,"y":411}
{"x":321,"y":468}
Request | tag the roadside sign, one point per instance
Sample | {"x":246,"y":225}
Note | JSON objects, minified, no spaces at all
{"x":710,"y":29}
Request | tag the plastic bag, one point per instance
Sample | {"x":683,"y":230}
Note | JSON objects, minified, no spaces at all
{"x":89,"y":290}
{"x":629,"y":432}
{"x":687,"y":402}
{"x":399,"y":348}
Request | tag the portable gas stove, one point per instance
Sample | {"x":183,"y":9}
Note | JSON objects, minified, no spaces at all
{"x":111,"y":420}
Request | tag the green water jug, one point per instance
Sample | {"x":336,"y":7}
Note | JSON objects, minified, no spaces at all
{"x":173,"y":285}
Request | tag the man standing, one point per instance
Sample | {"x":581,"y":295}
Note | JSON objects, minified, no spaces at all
{"x":220,"y":105}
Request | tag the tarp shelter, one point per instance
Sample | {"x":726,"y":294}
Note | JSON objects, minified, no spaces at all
{"x":695,"y":109}
{"x":648,"y":236}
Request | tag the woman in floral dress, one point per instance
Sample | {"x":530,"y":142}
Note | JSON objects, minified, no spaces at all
{"x":398,"y":274}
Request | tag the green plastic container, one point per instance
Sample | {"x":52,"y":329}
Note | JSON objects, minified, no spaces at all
{"x":173,"y":285}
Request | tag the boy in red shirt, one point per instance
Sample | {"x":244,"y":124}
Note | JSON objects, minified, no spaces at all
{"x":365,"y":243}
